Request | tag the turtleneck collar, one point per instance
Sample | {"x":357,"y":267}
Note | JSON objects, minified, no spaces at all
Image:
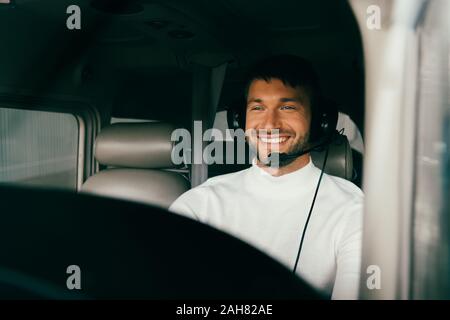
{"x":299,"y":181}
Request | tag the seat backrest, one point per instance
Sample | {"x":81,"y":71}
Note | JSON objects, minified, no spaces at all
{"x":339,"y":161}
{"x":138,"y":156}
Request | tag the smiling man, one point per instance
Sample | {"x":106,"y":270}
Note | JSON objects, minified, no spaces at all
{"x":268,"y":206}
{"x":278,"y":118}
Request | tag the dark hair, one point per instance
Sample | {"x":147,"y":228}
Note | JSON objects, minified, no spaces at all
{"x":291,"y":70}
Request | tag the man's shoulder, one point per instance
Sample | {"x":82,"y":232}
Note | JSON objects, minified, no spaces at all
{"x":345,"y":189}
{"x":194,"y":201}
{"x":347,"y":206}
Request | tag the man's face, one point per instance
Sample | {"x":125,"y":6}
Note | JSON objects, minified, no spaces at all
{"x":273,"y":105}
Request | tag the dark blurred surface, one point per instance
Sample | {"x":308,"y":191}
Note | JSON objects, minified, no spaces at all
{"x":126,"y":250}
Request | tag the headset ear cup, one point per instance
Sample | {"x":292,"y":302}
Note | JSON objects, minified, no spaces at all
{"x":329,"y":119}
{"x":236,"y":118}
{"x":231,"y":118}
{"x":324,"y":121}
{"x":241,"y":118}
{"x":318,"y":122}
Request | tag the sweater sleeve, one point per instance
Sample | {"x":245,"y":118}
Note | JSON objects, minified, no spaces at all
{"x":191,"y":204}
{"x":349,"y":250}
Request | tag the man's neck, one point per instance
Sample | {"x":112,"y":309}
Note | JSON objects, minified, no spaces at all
{"x":295,"y":165}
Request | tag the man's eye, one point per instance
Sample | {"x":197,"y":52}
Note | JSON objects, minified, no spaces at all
{"x":256,"y":108}
{"x":287,"y":107}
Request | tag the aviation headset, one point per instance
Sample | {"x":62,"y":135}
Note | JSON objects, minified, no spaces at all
{"x":323,"y":121}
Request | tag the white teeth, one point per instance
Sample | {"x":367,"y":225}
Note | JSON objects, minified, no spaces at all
{"x":273,"y":140}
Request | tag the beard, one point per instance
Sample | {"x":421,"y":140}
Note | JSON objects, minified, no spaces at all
{"x":262,"y":154}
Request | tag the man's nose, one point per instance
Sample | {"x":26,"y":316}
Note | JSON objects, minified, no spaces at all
{"x":271,"y":120}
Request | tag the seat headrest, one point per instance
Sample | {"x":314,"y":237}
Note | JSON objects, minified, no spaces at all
{"x":154,"y":187}
{"x":339,"y":161}
{"x":135,"y":145}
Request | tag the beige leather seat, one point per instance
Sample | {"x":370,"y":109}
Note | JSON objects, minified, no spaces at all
{"x":340,"y":159}
{"x":138,"y":156}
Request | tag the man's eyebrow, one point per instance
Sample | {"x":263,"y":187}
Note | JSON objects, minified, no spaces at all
{"x":254,"y":100}
{"x":291,"y":100}
{"x":258,"y":100}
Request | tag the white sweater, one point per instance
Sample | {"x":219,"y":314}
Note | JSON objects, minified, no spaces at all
{"x":270,"y":212}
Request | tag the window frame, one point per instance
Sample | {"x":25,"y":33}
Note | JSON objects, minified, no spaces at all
{"x":88,"y":122}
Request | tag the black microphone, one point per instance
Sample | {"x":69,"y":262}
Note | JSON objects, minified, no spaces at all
{"x":283,"y":157}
